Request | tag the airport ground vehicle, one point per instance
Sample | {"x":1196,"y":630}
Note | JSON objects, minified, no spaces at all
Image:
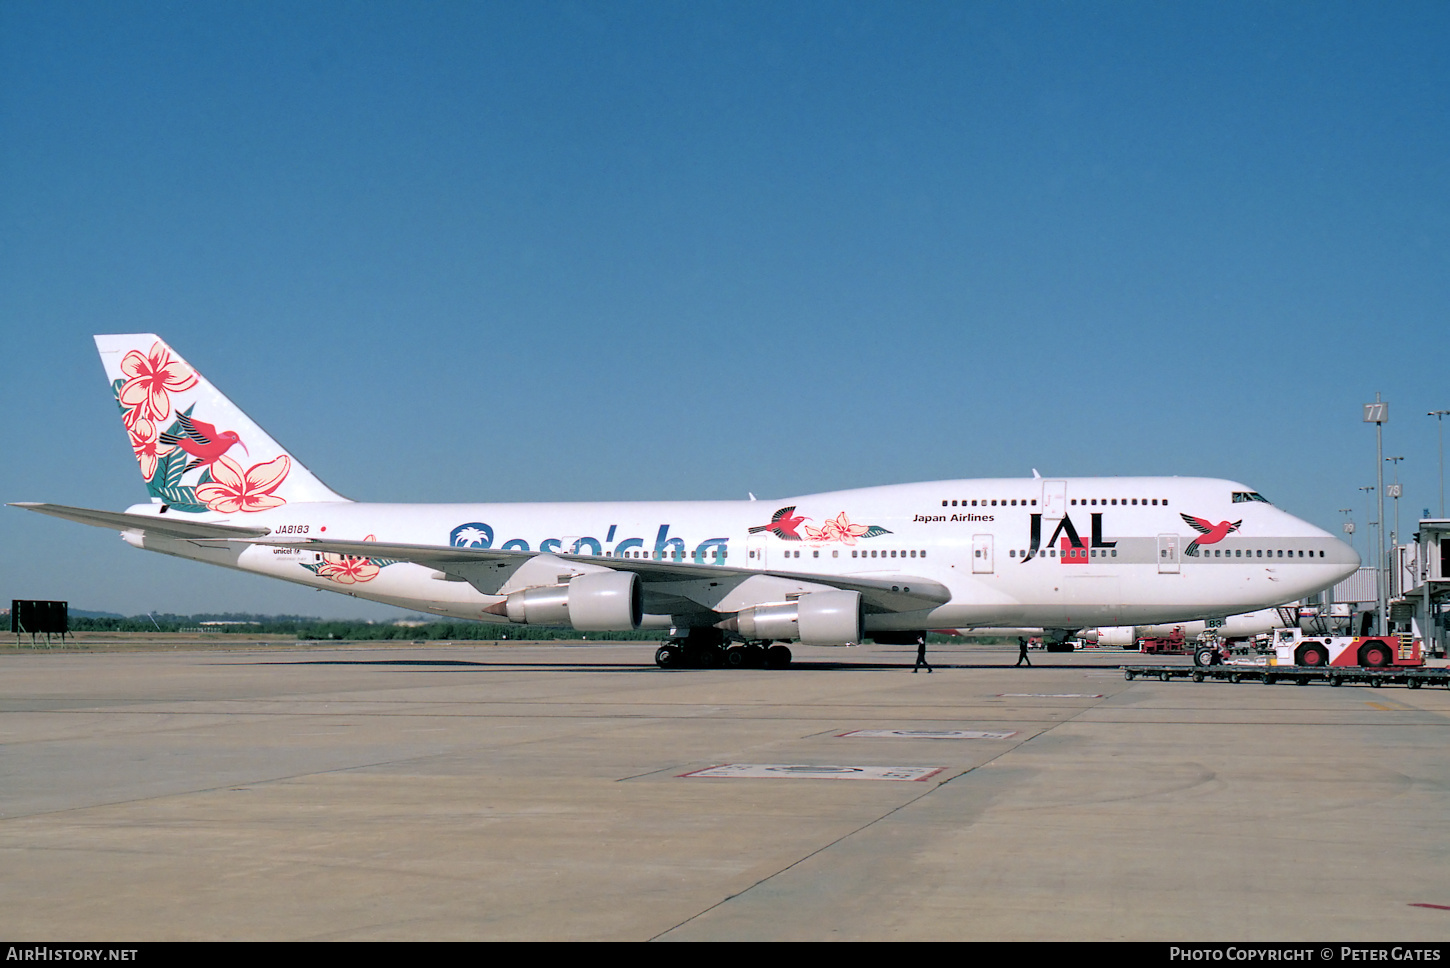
{"x":1293,"y":648}
{"x":1171,"y":644}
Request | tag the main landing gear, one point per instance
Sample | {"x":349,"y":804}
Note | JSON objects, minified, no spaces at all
{"x":708,"y":649}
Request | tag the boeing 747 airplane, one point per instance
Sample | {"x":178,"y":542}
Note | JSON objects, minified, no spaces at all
{"x":733,"y":580}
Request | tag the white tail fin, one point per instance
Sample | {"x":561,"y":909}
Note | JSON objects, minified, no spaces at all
{"x":198,"y":452}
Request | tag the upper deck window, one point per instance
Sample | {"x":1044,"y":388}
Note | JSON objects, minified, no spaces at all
{"x":1244,"y":497}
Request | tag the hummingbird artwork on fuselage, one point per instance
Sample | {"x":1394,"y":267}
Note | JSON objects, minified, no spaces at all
{"x":734,"y":581}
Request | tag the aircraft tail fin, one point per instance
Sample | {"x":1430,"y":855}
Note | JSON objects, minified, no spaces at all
{"x":197,"y":450}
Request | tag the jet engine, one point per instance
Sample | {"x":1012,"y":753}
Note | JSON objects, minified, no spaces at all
{"x":819,"y":618}
{"x":603,"y":601}
{"x":1123,"y":635}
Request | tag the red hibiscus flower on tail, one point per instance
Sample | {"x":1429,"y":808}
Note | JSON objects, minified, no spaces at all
{"x":232,"y":490}
{"x":150,"y":380}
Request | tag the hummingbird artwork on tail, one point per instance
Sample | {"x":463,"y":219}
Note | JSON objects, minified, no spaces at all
{"x":201,"y":440}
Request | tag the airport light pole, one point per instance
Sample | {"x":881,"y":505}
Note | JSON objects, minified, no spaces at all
{"x":1394,"y":492}
{"x":1371,"y":537}
{"x":1369,"y":514}
{"x":1348,"y":524}
{"x":1377,"y":413}
{"x":1439,"y":416}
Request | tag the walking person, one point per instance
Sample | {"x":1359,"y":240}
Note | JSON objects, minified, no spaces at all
{"x":921,"y":655}
{"x":1022,"y":652}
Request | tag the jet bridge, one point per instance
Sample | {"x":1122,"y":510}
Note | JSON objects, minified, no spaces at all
{"x":1423,"y":577}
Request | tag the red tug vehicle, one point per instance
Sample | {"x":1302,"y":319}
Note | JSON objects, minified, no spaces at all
{"x":1293,"y":648}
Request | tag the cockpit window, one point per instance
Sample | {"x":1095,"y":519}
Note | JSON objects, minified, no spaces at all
{"x":1244,"y":497}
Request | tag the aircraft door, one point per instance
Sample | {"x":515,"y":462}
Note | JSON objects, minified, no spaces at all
{"x":1054,"y":500}
{"x":982,"y":554}
{"x":755,"y":545}
{"x":1168,"y":548}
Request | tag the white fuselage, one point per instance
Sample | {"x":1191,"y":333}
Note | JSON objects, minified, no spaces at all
{"x":1064,"y":554}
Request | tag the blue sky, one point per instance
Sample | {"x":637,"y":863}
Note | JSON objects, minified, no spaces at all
{"x":559,"y":251}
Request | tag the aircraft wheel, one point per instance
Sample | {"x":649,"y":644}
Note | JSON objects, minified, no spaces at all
{"x":1205,"y":657}
{"x":777,"y":657}
{"x":667,"y":657}
{"x":736,"y":657}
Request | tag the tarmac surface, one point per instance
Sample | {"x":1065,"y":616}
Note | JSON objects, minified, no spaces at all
{"x":539,"y":792}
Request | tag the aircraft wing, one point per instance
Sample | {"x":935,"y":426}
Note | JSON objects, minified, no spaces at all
{"x":169,"y":527}
{"x":490,"y":571}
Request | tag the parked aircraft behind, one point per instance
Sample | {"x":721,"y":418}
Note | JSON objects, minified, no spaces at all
{"x":1233,"y":627}
{"x":728,"y":577}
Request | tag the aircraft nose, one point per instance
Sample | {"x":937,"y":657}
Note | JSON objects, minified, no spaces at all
{"x":1344,"y":554}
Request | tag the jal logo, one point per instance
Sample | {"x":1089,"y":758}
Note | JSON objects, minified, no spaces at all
{"x":1072,"y":550}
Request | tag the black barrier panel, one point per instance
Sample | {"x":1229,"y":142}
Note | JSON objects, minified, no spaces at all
{"x":39,"y":618}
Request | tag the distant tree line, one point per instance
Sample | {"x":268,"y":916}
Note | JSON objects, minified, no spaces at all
{"x":308,"y":628}
{"x":312,"y":629}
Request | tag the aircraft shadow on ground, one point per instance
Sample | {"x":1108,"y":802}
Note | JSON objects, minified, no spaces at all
{"x":807,"y":665}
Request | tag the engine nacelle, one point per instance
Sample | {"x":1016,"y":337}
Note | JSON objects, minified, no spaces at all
{"x":1121,"y":635}
{"x":604,"y":601}
{"x":820,"y":618}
